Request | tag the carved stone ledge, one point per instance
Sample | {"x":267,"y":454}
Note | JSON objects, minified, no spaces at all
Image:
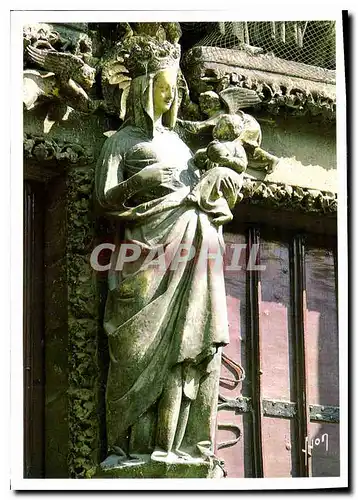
{"x":294,"y":88}
{"x":296,"y":96}
{"x":264,"y":62}
{"x":284,"y":196}
{"x":54,"y":151}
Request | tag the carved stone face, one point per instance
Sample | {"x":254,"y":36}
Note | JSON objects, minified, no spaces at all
{"x":87,"y":76}
{"x":209,"y":103}
{"x":164,"y":90}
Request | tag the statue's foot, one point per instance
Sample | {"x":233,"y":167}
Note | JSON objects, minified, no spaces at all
{"x":264,"y":161}
{"x":112,"y":461}
{"x":168,"y":457}
{"x":182,"y":454}
{"x":115,"y":461}
{"x":185,"y":457}
{"x":272,"y":164}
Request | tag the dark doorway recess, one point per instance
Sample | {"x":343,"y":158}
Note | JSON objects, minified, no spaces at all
{"x":33,"y":330}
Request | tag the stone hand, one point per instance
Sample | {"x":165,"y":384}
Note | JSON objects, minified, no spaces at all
{"x":158,"y":173}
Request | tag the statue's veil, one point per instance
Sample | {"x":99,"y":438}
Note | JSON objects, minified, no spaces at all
{"x":140,"y":105}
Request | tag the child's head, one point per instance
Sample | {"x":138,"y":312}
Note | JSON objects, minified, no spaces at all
{"x":228,"y":127}
{"x":209,"y":103}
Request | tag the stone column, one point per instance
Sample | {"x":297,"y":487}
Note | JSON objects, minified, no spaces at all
{"x":83,"y":326}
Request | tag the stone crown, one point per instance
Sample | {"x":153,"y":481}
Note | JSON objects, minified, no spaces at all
{"x":144,"y":55}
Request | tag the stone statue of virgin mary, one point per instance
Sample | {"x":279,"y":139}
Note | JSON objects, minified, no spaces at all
{"x":165,"y":325}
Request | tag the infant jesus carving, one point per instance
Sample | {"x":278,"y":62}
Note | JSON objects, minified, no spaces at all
{"x":230,"y":132}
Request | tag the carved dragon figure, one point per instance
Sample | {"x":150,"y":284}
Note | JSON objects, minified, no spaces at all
{"x":68,"y":78}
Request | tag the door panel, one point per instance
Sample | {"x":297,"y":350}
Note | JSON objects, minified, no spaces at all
{"x":233,"y":435}
{"x":279,"y":447}
{"x":321,"y":329}
{"x":283,"y":333}
{"x":275,"y":323}
{"x":321,"y":341}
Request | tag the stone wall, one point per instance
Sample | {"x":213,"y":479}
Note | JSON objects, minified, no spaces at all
{"x":56,"y":330}
{"x":65,"y":160}
{"x":71,"y":327}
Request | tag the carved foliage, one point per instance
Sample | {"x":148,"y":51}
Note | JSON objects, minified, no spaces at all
{"x":55,"y":150}
{"x":82,"y":327}
{"x":284,"y":196}
{"x":61,"y":38}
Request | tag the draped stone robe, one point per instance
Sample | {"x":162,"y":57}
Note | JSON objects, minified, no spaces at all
{"x":156,"y":318}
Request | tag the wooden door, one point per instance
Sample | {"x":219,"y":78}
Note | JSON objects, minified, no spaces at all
{"x":282,"y":419}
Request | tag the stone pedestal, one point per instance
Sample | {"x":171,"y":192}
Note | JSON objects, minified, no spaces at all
{"x":146,"y":468}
